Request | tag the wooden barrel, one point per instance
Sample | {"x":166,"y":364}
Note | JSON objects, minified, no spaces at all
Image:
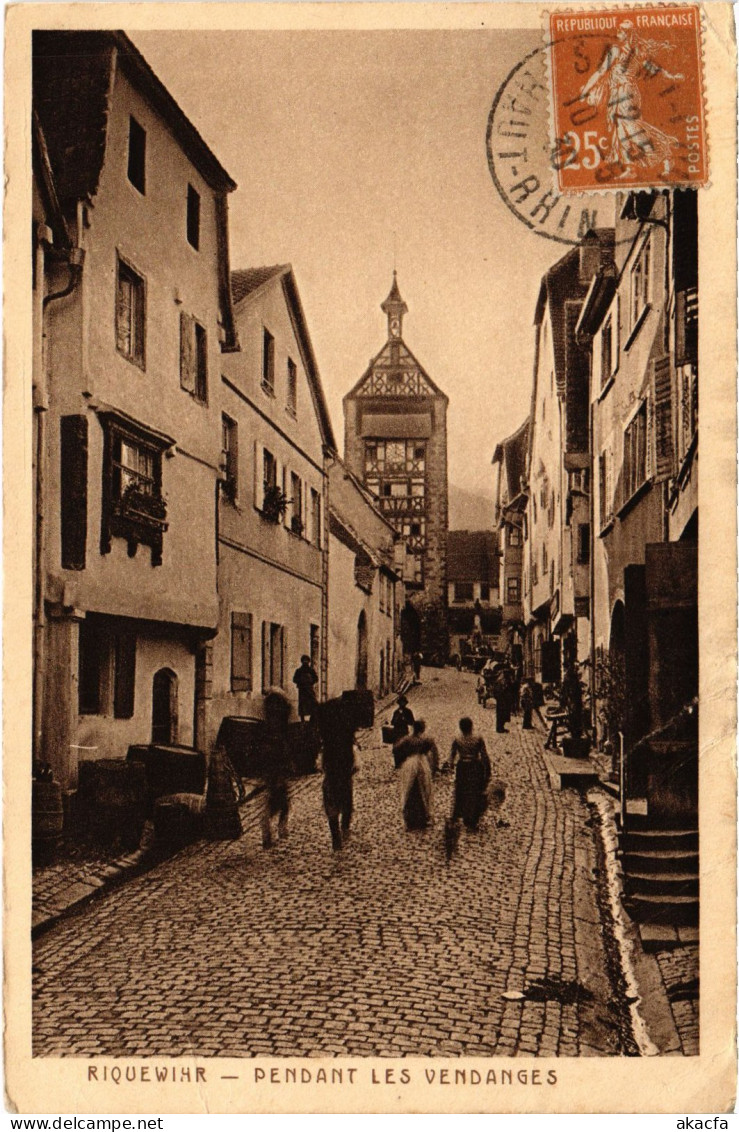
{"x":47,"y":817}
{"x":362,"y":704}
{"x":222,"y":820}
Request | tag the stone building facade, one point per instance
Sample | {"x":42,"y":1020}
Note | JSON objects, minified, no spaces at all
{"x":473,"y":598}
{"x":272,"y":517}
{"x":641,"y":317}
{"x":365,"y":589}
{"x":395,"y":442}
{"x":510,"y":463}
{"x":133,"y":317}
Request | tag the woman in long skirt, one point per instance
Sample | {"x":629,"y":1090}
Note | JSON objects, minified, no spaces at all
{"x":473,"y":775}
{"x":418,"y":759}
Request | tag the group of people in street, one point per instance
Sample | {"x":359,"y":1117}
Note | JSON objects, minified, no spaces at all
{"x":415,"y":752}
{"x":416,"y":757}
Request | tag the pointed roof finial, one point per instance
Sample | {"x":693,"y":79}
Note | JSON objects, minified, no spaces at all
{"x":394,"y":302}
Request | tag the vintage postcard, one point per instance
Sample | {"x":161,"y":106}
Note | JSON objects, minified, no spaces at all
{"x":369,"y":689}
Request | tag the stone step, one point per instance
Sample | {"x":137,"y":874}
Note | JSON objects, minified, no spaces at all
{"x":652,"y":908}
{"x":637,"y":840}
{"x":662,"y":884}
{"x":660,"y":861}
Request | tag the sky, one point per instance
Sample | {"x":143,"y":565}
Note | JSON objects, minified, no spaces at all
{"x":355,"y":151}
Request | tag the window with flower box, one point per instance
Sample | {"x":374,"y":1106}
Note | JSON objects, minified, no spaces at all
{"x":133,"y":505}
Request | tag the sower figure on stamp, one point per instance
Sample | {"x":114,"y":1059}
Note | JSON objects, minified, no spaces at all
{"x":337,"y":725}
{"x":418,"y":758}
{"x":275,"y":766}
{"x":626,"y":62}
{"x":305,"y":680}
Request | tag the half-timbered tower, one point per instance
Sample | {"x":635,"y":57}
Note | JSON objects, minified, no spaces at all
{"x":395,"y":442}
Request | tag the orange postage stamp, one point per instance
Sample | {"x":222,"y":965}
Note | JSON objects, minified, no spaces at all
{"x":627,"y":98}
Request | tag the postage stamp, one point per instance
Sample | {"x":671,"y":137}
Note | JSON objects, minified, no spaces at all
{"x":627,"y":98}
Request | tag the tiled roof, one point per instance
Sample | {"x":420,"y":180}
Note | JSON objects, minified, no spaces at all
{"x":248,"y":279}
{"x":472,"y":556}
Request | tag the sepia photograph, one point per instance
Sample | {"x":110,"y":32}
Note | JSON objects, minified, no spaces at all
{"x":377,"y":724}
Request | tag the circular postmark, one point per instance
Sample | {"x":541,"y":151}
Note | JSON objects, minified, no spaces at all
{"x":522,"y":158}
{"x":615,"y":114}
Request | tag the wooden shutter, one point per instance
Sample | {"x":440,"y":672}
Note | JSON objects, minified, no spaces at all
{"x":663,"y":418}
{"x":201,"y":361}
{"x":265,"y":656}
{"x":258,"y":475}
{"x":125,"y":675}
{"x":649,"y":470}
{"x":123,"y":313}
{"x":74,"y":492}
{"x":232,"y":457}
{"x":188,"y":352}
{"x":241,"y":649}
{"x":283,"y":655}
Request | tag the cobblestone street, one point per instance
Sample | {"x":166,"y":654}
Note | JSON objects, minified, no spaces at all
{"x":383,"y":948}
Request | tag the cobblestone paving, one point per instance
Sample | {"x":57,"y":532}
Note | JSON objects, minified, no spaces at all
{"x":384,"y":948}
{"x":679,"y":969}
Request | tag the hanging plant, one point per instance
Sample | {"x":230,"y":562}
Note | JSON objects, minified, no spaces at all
{"x":275,"y":503}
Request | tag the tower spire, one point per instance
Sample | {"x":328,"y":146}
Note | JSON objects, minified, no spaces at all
{"x":394,"y":307}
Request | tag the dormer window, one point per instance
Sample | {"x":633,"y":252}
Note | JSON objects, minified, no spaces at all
{"x":137,"y":155}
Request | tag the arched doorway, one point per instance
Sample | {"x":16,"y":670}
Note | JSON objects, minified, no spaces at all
{"x":361,"y":681}
{"x":164,"y":707}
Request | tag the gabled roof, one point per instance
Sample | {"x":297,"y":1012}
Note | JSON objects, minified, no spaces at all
{"x":73,"y":75}
{"x":472,"y":556}
{"x":44,"y":177}
{"x":251,"y":281}
{"x":563,"y":290}
{"x":511,"y":454}
{"x":383,"y":362}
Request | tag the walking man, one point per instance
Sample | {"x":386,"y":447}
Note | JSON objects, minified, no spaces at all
{"x":337,"y":725}
{"x":305,"y":679}
{"x":275,"y":767}
{"x":501,"y":691}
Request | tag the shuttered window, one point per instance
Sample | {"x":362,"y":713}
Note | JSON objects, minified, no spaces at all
{"x":663,"y":418}
{"x":130,"y":314}
{"x":193,"y":357}
{"x":274,"y":655}
{"x":241,"y":652}
{"x":74,"y":492}
{"x":635,"y":454}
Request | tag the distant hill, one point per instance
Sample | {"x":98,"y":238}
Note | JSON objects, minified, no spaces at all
{"x":469,"y":510}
